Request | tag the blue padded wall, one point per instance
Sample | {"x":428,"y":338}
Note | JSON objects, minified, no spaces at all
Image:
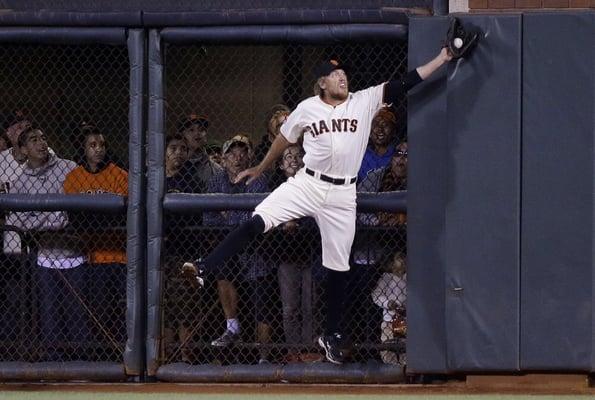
{"x":557,"y":220}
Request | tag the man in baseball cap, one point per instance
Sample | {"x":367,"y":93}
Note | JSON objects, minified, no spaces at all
{"x":199,"y":168}
{"x":239,"y":139}
{"x":201,"y":121}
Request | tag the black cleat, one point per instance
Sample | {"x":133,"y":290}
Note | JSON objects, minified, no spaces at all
{"x":331,"y":345}
{"x":193,"y":273}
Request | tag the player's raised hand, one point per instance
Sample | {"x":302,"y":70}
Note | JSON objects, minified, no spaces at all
{"x":446,"y":54}
{"x":250,"y":173}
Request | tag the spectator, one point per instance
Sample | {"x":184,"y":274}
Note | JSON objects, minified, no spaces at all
{"x":181,"y":301}
{"x":105,"y":235}
{"x":295,"y":270}
{"x":381,"y":147}
{"x":390,"y":178}
{"x":237,"y":153}
{"x":4,"y":142}
{"x":390,"y":294}
{"x":371,"y":243}
{"x":278,"y":115}
{"x":199,"y":168}
{"x":60,"y":272}
{"x":275,"y":118}
{"x":11,"y":161}
{"x":214,"y":153}
{"x":395,"y":178}
{"x":176,"y":156}
{"x":11,"y":166}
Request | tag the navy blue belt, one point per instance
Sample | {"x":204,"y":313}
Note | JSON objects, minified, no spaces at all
{"x":334,"y":181}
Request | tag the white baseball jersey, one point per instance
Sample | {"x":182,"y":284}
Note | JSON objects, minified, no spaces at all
{"x":335,"y":139}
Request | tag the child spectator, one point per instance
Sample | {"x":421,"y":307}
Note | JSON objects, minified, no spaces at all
{"x":390,"y":294}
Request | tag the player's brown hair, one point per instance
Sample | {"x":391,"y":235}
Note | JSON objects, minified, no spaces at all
{"x":318,"y":91}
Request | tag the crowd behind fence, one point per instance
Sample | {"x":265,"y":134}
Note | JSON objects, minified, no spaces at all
{"x":64,"y":274}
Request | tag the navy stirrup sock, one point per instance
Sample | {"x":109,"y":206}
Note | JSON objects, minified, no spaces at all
{"x":234,"y":242}
{"x":336,"y":282}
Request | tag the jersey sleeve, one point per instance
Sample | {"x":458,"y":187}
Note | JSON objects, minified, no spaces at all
{"x":292,"y":128}
{"x":373,"y":97}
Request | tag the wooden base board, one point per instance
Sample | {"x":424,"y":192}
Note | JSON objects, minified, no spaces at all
{"x":571,"y":382}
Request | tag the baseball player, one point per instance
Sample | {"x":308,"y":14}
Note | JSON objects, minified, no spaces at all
{"x":335,"y":125}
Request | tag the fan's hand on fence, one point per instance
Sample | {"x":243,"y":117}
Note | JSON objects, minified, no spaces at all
{"x":290,"y":227}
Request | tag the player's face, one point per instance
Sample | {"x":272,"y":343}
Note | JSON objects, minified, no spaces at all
{"x":95,"y":149}
{"x":398,"y":162}
{"x":237,"y":159}
{"x":196,"y":137}
{"x":36,"y":148}
{"x":292,"y":160}
{"x":382,"y":131}
{"x":176,"y":154}
{"x":335,"y":85}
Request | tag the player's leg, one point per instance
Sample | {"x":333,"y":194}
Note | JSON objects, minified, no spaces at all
{"x":298,"y":197}
{"x":291,"y":200}
{"x":233,"y":243}
{"x":337,"y":231}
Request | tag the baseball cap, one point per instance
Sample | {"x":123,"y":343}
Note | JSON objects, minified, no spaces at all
{"x":236,"y":139}
{"x":193,"y":119}
{"x":326,"y":67}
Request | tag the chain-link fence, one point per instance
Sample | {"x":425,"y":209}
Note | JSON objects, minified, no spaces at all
{"x":65,"y":117}
{"x":225,"y":105}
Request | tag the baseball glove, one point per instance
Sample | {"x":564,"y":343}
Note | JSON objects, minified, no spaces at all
{"x":460,"y":41}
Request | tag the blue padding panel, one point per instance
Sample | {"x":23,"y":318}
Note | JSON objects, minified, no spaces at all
{"x":427,"y":197}
{"x":188,"y":203}
{"x":102,"y":203}
{"x":310,"y":34}
{"x":557,"y":222}
{"x":70,"y":18}
{"x":483,"y":200}
{"x":268,"y":16}
{"x":113,"y":36}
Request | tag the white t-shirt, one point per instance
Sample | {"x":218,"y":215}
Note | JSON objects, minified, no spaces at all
{"x":335,"y":138}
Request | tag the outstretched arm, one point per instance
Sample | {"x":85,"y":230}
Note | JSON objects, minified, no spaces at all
{"x":428,"y":69}
{"x":394,"y":88}
{"x":277,"y":148}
